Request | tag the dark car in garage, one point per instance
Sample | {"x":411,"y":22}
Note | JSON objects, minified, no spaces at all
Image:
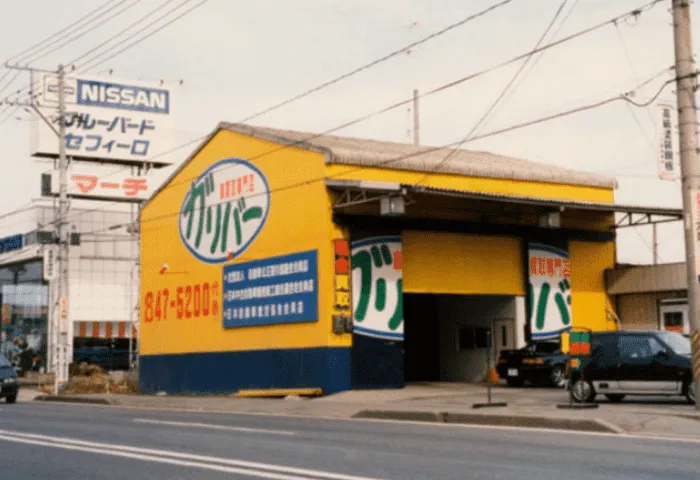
{"x":537,"y":363}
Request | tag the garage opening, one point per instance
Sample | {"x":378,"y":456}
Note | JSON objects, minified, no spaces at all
{"x":446,"y":336}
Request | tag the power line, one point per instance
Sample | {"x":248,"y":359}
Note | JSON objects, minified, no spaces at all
{"x":502,"y":94}
{"x":379,"y":60}
{"x":27,"y":58}
{"x":145,"y":37}
{"x":32,"y":85}
{"x":623,"y":97}
{"x":453,"y":83}
{"x":122,"y":32}
{"x":80,"y":35}
{"x":440,"y":88}
{"x":537,"y":58}
{"x":54,"y":35}
{"x":323,"y":85}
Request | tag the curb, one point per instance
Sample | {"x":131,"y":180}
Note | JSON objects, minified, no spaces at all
{"x":585,"y":425}
{"x":70,"y":399}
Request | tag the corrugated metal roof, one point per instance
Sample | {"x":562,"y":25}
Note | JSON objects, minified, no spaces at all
{"x":401,"y":156}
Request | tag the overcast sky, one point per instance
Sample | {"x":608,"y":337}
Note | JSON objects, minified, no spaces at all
{"x":237,"y":58}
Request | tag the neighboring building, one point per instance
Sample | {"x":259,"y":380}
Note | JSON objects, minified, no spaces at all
{"x":650,"y":296}
{"x":102,"y":269}
{"x":275,"y":259}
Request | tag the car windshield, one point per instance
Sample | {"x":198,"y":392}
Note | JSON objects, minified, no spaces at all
{"x":3,"y":362}
{"x":677,"y":342}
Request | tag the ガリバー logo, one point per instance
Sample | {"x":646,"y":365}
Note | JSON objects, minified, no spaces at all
{"x":224,"y":211}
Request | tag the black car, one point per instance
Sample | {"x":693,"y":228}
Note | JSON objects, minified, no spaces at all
{"x":633,"y":363}
{"x":9,"y":386}
{"x":538,"y":362}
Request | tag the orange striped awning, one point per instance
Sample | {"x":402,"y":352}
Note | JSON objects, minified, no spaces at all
{"x":103,"y":330}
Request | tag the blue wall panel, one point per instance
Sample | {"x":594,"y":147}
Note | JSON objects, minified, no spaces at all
{"x":228,"y":372}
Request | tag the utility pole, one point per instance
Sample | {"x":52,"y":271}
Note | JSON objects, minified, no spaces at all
{"x":655,"y":243}
{"x":63,"y":232}
{"x":416,"y":119}
{"x":59,"y":319}
{"x":690,"y":172}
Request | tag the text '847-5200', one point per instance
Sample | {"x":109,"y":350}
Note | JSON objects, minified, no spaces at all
{"x":187,"y":301}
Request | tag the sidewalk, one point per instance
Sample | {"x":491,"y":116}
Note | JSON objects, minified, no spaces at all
{"x":527,"y":407}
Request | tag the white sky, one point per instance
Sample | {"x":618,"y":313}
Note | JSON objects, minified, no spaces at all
{"x":237,"y":58}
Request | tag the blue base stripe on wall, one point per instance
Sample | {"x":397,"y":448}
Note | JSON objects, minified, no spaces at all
{"x":227,"y":372}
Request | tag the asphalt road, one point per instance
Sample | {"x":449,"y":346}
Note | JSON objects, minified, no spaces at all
{"x":51,"y":441}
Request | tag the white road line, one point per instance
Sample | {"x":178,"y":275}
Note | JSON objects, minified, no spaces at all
{"x":213,"y":427}
{"x":167,"y":456}
{"x":639,"y":436}
{"x":151,"y":458}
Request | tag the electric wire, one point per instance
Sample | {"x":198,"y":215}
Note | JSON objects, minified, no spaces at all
{"x":121,"y":32}
{"x":54,"y":35}
{"x":27,"y":90}
{"x":449,"y":85}
{"x":453,"y":83}
{"x":82,"y":34}
{"x":592,"y":106}
{"x":505,"y":90}
{"x":28,"y":58}
{"x":88,"y":65}
{"x":532,"y":64}
{"x":379,"y":60}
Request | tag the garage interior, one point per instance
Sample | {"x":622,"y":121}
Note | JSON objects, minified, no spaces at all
{"x":445,"y":336}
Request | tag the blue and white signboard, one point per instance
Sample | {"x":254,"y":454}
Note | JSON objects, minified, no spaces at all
{"x":106,"y":119}
{"x":8,"y":244}
{"x":271,"y":291}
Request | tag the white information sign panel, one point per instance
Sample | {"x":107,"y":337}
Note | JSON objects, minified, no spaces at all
{"x":106,"y":119}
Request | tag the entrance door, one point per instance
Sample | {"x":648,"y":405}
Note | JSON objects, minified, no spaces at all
{"x":503,"y":336}
{"x":674,"y":318}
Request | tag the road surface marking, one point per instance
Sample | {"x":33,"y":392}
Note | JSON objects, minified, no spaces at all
{"x":257,"y":469}
{"x":317,"y":418}
{"x":213,"y":427}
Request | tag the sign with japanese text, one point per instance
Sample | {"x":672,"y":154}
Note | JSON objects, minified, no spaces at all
{"x":224,"y":211}
{"x":549,"y":291}
{"x":696,"y":229}
{"x":377,"y":287}
{"x":669,"y":156}
{"x":112,"y":187}
{"x":14,"y":242}
{"x":50,"y":262}
{"x":106,"y":120}
{"x":271,"y":291}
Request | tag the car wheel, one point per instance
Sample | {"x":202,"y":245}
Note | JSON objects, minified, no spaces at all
{"x":556,"y":376}
{"x":690,"y":392}
{"x":515,"y":382}
{"x":614,"y":397}
{"x":11,"y":399}
{"x":582,"y":391}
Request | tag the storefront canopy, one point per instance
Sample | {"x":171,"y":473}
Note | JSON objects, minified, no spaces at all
{"x":353,"y":193}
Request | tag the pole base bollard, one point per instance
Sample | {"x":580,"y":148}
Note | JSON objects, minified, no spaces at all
{"x":577,"y":406}
{"x":491,"y":404}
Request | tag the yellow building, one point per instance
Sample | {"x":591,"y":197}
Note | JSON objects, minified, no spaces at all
{"x":279,"y":260}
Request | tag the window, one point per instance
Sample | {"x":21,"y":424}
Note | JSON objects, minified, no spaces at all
{"x":673,"y":321}
{"x":656,"y":346}
{"x":635,"y":347}
{"x":546,"y":347}
{"x":504,"y":336}
{"x":470,"y":338}
{"x":679,"y":343}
